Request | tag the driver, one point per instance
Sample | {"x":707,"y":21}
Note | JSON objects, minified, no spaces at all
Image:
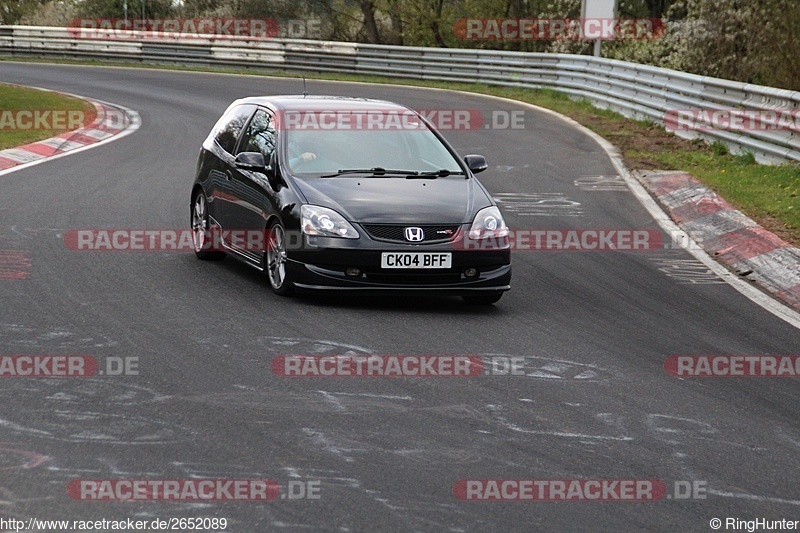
{"x":297,"y":153}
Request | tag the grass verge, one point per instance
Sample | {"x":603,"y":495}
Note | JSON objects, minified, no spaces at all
{"x":16,"y":130}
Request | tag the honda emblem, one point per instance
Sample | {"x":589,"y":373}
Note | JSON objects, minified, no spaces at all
{"x":414,"y":234}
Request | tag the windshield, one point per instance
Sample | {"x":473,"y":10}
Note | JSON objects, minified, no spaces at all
{"x":330,"y":151}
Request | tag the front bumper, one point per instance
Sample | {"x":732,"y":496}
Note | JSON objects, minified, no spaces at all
{"x":323,"y":266}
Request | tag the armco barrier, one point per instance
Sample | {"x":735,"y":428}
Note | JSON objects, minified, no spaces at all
{"x":639,"y":91}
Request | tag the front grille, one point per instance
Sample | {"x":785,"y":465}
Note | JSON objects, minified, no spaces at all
{"x":395,"y":233}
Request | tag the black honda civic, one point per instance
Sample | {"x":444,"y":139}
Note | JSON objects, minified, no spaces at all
{"x":342,"y":194}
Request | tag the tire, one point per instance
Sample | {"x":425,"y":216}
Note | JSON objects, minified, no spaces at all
{"x":201,"y":229}
{"x":483,"y":298}
{"x":275,"y":260}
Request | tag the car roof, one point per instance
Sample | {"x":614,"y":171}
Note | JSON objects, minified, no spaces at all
{"x":320,"y":103}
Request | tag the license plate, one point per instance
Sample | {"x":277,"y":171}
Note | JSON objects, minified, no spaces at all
{"x":416,"y":260}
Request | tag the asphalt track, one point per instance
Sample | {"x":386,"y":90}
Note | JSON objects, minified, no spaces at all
{"x":593,"y":327}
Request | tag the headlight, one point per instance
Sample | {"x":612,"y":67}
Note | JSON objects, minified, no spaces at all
{"x":488,"y":223}
{"x":325,"y":222}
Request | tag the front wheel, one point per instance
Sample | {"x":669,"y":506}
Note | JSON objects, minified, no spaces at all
{"x":275,"y":260}
{"x":483,"y":298}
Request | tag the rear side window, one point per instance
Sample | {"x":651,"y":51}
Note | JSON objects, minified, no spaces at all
{"x":260,"y":135}
{"x":226,"y":131}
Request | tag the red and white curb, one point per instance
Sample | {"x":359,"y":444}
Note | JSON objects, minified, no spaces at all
{"x":111,"y":123}
{"x":727,"y":234}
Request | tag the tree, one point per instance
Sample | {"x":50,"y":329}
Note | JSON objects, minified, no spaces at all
{"x":370,"y":24}
{"x":11,"y":11}
{"x":754,"y":41}
{"x":115,"y":9}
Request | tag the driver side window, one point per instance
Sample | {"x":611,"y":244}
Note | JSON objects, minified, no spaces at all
{"x":260,"y":135}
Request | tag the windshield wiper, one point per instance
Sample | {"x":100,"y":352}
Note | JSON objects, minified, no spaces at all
{"x":375,"y":171}
{"x":442,"y":173}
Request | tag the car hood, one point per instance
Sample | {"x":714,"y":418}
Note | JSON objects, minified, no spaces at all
{"x":397,"y":200}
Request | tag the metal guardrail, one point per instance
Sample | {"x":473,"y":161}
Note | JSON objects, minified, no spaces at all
{"x":638,"y":91}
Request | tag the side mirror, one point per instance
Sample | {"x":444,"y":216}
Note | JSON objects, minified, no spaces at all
{"x":251,"y":161}
{"x":476,"y":163}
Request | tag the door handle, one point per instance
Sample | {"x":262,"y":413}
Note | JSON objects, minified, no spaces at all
{"x":228,"y":175}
